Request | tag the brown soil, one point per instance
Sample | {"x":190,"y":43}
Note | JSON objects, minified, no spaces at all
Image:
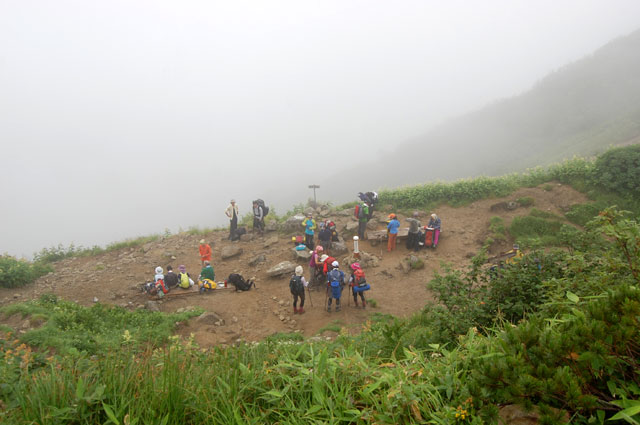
{"x":114,"y":277}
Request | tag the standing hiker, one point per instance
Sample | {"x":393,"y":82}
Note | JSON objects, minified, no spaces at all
{"x":435,"y":223}
{"x":258,"y":218}
{"x":335,"y":284}
{"x":358,"y":284}
{"x":205,"y":251}
{"x":414,"y":232}
{"x":393,"y":226}
{"x":315,"y":263}
{"x":232,"y":212}
{"x":296,"y":286}
{"x":363,"y":219}
{"x":309,"y":225}
{"x":324,"y":236}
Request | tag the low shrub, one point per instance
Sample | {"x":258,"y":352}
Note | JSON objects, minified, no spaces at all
{"x":526,"y":201}
{"x":15,"y":273}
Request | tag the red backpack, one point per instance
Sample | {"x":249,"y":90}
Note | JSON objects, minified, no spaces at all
{"x":160,"y":285}
{"x":359,"y":278}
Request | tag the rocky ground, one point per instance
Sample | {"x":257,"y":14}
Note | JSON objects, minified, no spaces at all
{"x":115,"y":277}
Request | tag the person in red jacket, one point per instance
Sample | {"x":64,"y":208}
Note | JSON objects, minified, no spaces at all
{"x":205,"y":252}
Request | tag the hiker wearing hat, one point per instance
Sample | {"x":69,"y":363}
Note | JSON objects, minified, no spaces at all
{"x":316,"y":263}
{"x":205,"y":251}
{"x":335,"y":284}
{"x":296,"y":286}
{"x":184,"y":278}
{"x":309,"y":225}
{"x":414,"y":232}
{"x":363,"y":219}
{"x":392,"y":228}
{"x":159,"y":287}
{"x":358,"y":284}
{"x":232,"y":212}
{"x":435,"y":223}
{"x":207,"y":278}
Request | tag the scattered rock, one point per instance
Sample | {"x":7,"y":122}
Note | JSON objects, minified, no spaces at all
{"x":293,"y":223}
{"x":281,"y":302}
{"x":271,"y":226}
{"x":247,"y":237}
{"x":271,"y":241}
{"x":258,"y":259}
{"x":234,"y":319}
{"x":230,"y":252}
{"x":209,"y":318}
{"x":284,"y":267}
{"x":351,"y":226}
{"x":281,"y":317}
{"x":17,"y":295}
{"x":180,"y":310}
{"x":152,"y":306}
{"x":95,"y":299}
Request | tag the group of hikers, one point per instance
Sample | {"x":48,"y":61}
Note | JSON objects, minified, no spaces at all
{"x":324,"y":269}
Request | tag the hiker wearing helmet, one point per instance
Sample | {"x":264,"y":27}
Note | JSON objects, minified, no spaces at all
{"x":435,"y":223}
{"x":296,"y":286}
{"x":335,"y":284}
{"x":392,"y":227}
{"x":358,"y":284}
{"x":414,"y":232}
{"x":309,"y":225}
{"x":205,"y":251}
{"x":232,"y":212}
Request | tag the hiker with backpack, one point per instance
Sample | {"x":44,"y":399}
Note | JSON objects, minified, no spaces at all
{"x":309,"y":225}
{"x":392,"y":228}
{"x":335,"y":285}
{"x":207,"y":278}
{"x":358,"y":284}
{"x":296,"y":286}
{"x":157,"y":287}
{"x":362,"y":214}
{"x":414,"y":232}
{"x":324,"y":236}
{"x":184,"y":278}
{"x":205,"y":251}
{"x":232,"y":212}
{"x":258,"y":218}
{"x":170,"y":278}
{"x":435,"y":223}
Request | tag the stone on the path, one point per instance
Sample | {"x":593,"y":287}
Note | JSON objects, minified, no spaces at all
{"x":305,"y":254}
{"x":95,"y":299}
{"x":271,"y":241}
{"x":230,"y":252}
{"x":258,"y":259}
{"x":152,"y":306}
{"x":209,"y":318}
{"x":293,"y":223}
{"x":247,"y":237}
{"x":351,"y":226}
{"x":338,"y":248}
{"x":281,"y":317}
{"x":284,"y":267}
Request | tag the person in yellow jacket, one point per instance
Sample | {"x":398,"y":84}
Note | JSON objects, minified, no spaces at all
{"x":309,"y":225}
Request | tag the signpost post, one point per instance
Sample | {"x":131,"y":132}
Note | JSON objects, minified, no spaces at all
{"x":314,"y":187}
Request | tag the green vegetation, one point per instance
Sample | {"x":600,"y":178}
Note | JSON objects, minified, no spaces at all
{"x":70,"y":328}
{"x":53,"y":254}
{"x":526,"y":201}
{"x":15,"y":273}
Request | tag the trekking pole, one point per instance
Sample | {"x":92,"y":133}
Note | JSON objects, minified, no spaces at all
{"x":326,"y":297}
{"x":310,"y":300}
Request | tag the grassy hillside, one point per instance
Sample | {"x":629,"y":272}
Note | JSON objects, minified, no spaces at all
{"x":581,"y":109}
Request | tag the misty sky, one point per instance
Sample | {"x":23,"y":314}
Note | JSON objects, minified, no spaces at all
{"x":123,"y":118}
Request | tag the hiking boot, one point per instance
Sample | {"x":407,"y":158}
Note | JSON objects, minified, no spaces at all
{"x":364,"y":304}
{"x":356,"y":303}
{"x":329,"y":309}
{"x":301,"y":310}
{"x":337,"y":308}
{"x":295,"y":310}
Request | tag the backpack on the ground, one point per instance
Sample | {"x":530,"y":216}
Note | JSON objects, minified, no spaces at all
{"x":238,"y":281}
{"x":265,"y":209}
{"x":296,"y":286}
{"x":238,"y":232}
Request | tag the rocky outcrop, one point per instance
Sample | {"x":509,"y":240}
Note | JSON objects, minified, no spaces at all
{"x":230,"y":252}
{"x":284,"y":267}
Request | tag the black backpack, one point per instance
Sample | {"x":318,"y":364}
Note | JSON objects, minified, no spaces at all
{"x":265,"y":209}
{"x":296,"y":286}
{"x":238,"y":281}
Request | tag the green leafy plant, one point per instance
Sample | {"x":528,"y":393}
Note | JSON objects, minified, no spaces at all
{"x":15,"y":273}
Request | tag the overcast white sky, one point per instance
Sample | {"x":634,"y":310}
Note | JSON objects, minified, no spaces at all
{"x":122,"y":118}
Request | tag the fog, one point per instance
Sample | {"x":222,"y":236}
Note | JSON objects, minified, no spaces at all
{"x":126,"y":118}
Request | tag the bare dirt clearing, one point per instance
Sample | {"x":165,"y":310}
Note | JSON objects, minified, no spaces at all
{"x":114,"y":277}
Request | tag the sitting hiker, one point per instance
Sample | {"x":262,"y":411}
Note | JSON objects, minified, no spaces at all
{"x":207,"y":278}
{"x":296,"y":286}
{"x":324,"y":236}
{"x":157,"y":287}
{"x":435,"y":223}
{"x":414,"y":232}
{"x":170,"y":278}
{"x":392,"y":227}
{"x":205,"y":251}
{"x":184,"y":278}
{"x":514,"y":255}
{"x":358,"y":284}
{"x":335,"y":284}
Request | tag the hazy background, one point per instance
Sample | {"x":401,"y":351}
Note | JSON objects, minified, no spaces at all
{"x":123,"y":118}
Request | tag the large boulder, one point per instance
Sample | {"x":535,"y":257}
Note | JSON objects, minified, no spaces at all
{"x":271,"y":226}
{"x":284,"y":267}
{"x":293,"y":223}
{"x":209,"y":318}
{"x":271,"y":241}
{"x":338,"y":248}
{"x":230,"y":252}
{"x":351,"y":226}
{"x":304,"y":254}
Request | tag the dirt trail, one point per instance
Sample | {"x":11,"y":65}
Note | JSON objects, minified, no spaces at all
{"x":113,"y":277}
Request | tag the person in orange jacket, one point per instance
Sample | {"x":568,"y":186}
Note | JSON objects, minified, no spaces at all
{"x":205,"y":251}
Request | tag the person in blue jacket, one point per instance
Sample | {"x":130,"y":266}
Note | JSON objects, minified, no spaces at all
{"x":392,"y":228}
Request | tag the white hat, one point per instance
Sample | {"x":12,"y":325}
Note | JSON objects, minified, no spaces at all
{"x":202,"y":241}
{"x":323,"y":257}
{"x":299,"y":271}
{"x":335,"y":264}
{"x":159,"y":270}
